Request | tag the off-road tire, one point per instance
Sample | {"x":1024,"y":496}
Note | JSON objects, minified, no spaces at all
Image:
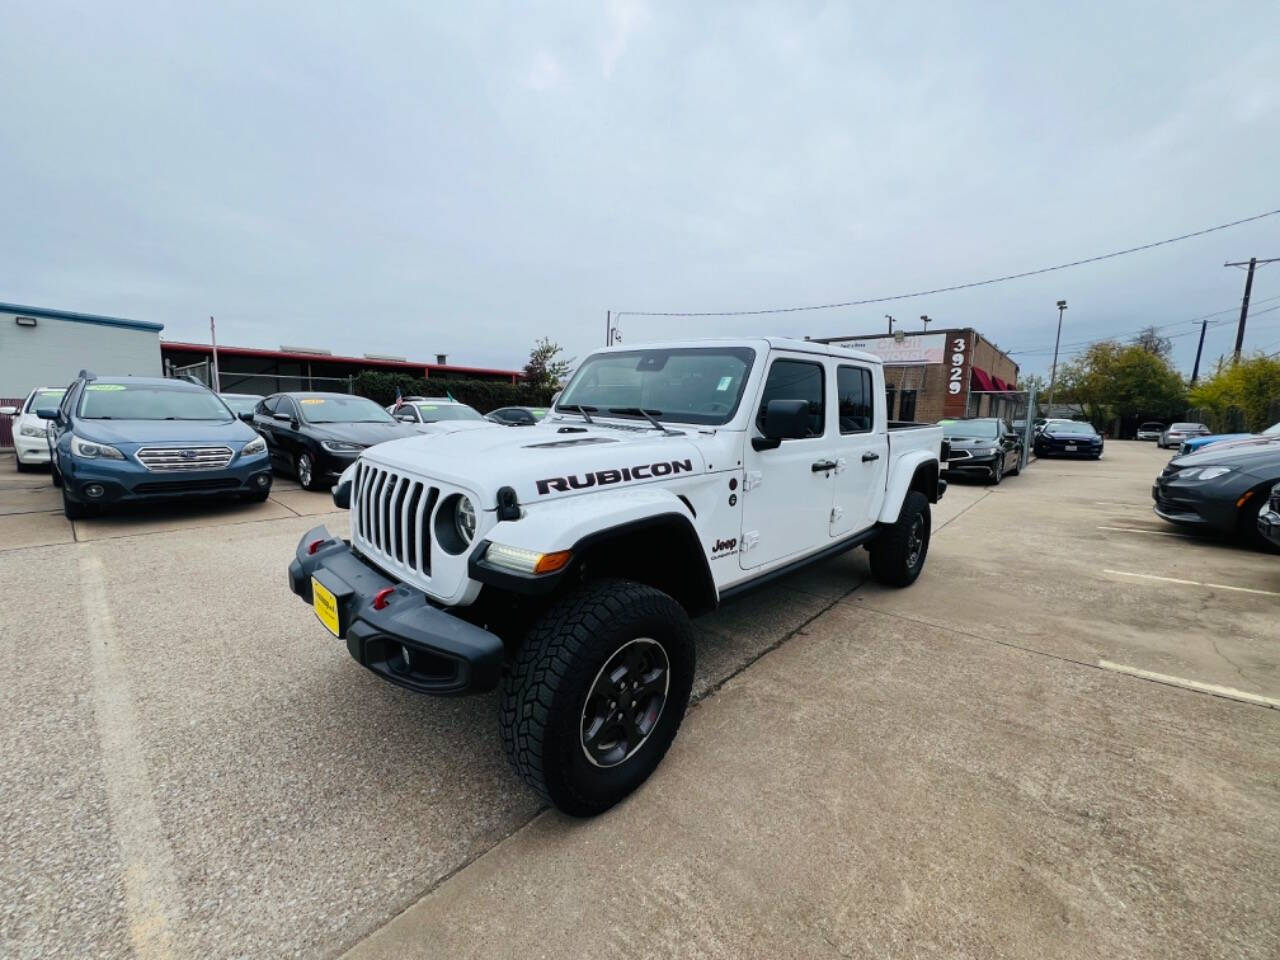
{"x":891,"y":553}
{"x":545,"y":690}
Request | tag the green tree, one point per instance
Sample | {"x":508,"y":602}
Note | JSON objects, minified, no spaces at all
{"x":543,"y":369}
{"x":1251,"y":386}
{"x":1112,"y":381}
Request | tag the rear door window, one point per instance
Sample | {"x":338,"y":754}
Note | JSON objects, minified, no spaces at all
{"x":854,"y":394}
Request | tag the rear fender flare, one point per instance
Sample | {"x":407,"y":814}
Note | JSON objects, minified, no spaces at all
{"x":917,"y":470}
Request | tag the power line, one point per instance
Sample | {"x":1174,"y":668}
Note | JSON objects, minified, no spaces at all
{"x":1160,"y":326}
{"x":1084,"y":345}
{"x":953,"y":287}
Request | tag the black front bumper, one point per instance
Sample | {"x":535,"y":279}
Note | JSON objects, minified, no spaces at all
{"x":984,"y":466}
{"x":409,"y":642}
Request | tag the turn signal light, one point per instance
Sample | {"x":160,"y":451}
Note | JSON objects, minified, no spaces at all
{"x":551,"y":562}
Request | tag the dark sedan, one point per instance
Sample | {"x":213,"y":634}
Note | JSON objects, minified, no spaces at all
{"x":315,"y":436}
{"x":1220,"y":489}
{"x":983,"y":447}
{"x":1269,"y":519}
{"x":1068,"y":438}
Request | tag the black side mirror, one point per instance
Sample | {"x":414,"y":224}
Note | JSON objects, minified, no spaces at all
{"x":246,"y":416}
{"x":783,"y":420}
{"x":47,"y":413}
{"x":284,"y":418}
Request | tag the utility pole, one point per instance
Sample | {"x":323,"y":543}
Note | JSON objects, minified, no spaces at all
{"x":926,"y":321}
{"x":608,"y":327}
{"x":1244,"y":304}
{"x":890,"y":319}
{"x":1195,"y":371}
{"x":213,"y":339}
{"x":1053,"y":377}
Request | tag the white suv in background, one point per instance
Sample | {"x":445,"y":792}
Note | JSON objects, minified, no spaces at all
{"x":30,"y":437}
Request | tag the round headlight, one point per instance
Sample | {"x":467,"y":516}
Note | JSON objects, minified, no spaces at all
{"x":464,"y":519}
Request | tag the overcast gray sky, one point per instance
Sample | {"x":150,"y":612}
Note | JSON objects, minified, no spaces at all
{"x":416,"y":178}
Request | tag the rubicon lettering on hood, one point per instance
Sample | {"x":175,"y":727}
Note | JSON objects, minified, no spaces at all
{"x":602,"y":478}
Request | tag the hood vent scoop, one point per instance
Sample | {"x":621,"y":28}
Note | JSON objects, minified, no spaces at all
{"x":575,"y":442}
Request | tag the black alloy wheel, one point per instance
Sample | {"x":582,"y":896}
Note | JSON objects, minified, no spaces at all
{"x":625,"y":702}
{"x":306,"y":471}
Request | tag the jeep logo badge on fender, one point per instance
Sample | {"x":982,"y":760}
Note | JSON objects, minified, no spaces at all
{"x":602,"y":478}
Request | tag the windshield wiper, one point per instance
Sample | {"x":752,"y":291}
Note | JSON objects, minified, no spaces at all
{"x":579,"y":408}
{"x":650,"y":415}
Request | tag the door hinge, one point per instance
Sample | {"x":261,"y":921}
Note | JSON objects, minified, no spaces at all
{"x":750,"y":540}
{"x":752,"y":479}
{"x":836,"y":514}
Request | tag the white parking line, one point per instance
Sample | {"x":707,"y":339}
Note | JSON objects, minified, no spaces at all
{"x":1230,"y":693}
{"x":1154,"y":533}
{"x":1193,"y":583}
{"x":149,"y":878}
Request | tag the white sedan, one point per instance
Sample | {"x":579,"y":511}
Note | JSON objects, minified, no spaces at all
{"x":30,"y":436}
{"x":434,"y":415}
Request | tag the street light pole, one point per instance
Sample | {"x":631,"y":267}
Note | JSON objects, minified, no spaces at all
{"x":1053,"y":377}
{"x":926,"y":321}
{"x":890,"y":319}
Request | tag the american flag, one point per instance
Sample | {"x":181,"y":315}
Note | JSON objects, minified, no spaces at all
{"x":399,"y":399}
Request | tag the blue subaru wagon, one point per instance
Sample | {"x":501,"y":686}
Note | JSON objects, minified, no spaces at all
{"x":134,"y":439}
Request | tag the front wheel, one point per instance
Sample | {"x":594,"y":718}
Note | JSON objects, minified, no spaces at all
{"x":596,"y":694}
{"x":74,"y":509}
{"x":997,"y":472}
{"x":897,"y":555}
{"x":305,"y":468}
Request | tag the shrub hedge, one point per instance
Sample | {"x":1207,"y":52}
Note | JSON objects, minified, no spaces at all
{"x":484,"y":395}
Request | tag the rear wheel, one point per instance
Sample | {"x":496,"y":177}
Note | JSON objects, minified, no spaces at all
{"x":1016,"y":468}
{"x":897,"y":555}
{"x":596,"y":694}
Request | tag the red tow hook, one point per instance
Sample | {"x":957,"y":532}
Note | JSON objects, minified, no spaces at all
{"x":315,"y":545}
{"x":383,"y":597}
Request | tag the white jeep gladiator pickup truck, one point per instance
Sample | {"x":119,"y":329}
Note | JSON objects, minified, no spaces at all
{"x":563,"y":561}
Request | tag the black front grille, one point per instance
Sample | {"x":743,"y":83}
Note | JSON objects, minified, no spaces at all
{"x":186,"y":486}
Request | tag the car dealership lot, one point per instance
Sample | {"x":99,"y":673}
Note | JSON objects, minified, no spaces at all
{"x":968,"y":767}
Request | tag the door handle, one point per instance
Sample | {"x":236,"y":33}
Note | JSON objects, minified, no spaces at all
{"x":869,"y":456}
{"x":821,"y":466}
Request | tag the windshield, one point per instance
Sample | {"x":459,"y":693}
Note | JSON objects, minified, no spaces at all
{"x":970,"y":430}
{"x":432,"y":412}
{"x":689,"y":385}
{"x":150,"y":401}
{"x":1152,"y":426}
{"x":1188,"y":427}
{"x":43,"y":398}
{"x":1074,"y":428}
{"x":342,"y":410}
{"x":1272,"y":431}
{"x":239,"y":402}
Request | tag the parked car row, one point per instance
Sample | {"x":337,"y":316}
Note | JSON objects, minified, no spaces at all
{"x":115,"y":440}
